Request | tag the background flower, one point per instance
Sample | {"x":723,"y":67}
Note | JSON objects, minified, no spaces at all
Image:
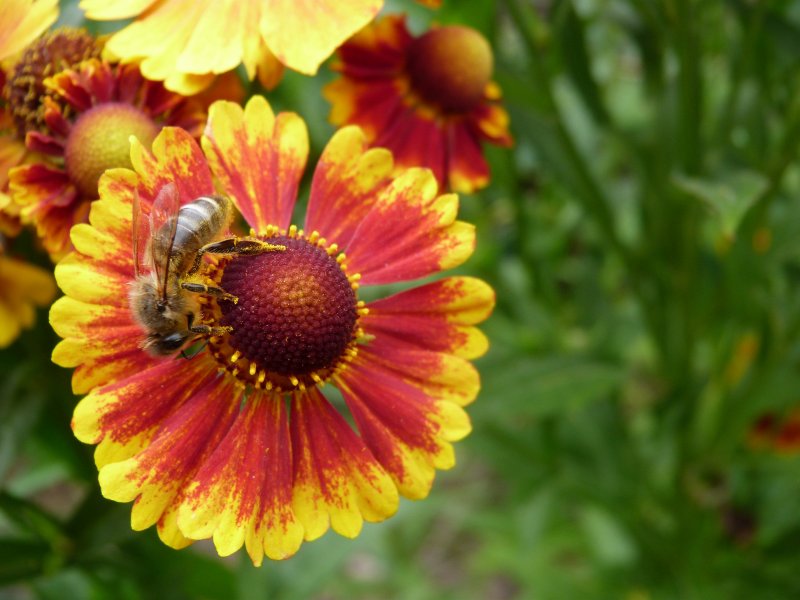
{"x":428,"y":99}
{"x":93,"y":111}
{"x":184,"y":43}
{"x":23,"y":287}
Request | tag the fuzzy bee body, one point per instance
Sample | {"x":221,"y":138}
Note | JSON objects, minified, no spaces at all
{"x":198,"y":223}
{"x":168,"y":247}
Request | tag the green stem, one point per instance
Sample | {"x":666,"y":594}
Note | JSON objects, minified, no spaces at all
{"x":690,"y":91}
{"x":592,"y":197}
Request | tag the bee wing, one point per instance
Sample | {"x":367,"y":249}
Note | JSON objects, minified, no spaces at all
{"x":140,"y":236}
{"x":163,"y":225}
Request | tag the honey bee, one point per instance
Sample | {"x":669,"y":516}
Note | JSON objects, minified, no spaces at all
{"x":168,"y":248}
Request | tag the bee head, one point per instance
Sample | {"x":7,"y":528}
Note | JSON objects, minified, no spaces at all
{"x":160,"y":345}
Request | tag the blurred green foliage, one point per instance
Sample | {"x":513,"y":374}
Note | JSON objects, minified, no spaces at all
{"x":642,"y":237}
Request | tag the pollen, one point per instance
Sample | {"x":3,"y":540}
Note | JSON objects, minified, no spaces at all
{"x":450,"y":67}
{"x":296,"y":321}
{"x":55,"y":51}
{"x":100,"y":140}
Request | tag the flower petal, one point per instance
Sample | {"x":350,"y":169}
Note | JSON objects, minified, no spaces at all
{"x":154,"y":478}
{"x":437,"y":316}
{"x":409,"y":232}
{"x":439,"y":375}
{"x":408,"y":431}
{"x":216,"y":43}
{"x":120,"y":9}
{"x":337,"y":480}
{"x":417,"y":140}
{"x":468,"y":169}
{"x":175,"y":158}
{"x":243,"y":492}
{"x":22,"y":286}
{"x":127,"y":408}
{"x":46,"y":197}
{"x":347,"y":179}
{"x":285,"y":25}
{"x":21,"y":21}
{"x":258,"y":158}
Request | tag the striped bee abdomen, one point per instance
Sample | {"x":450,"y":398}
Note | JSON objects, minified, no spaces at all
{"x":199,"y":222}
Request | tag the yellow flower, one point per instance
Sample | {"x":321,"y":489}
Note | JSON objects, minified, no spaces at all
{"x":185,"y":42}
{"x":22,"y":287}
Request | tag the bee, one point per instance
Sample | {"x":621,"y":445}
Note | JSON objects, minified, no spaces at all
{"x":168,"y":249}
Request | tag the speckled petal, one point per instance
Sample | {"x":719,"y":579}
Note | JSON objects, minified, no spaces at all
{"x":347,"y":180}
{"x":175,"y":158}
{"x":437,"y":316}
{"x":258,"y":158}
{"x":46,"y":197}
{"x":155,"y":477}
{"x":243,"y":492}
{"x":408,"y":431}
{"x":337,"y":481}
{"x":409,"y":232}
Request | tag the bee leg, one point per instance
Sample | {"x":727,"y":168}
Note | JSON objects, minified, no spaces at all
{"x":210,"y":330}
{"x":234,"y":245}
{"x":206,"y":330}
{"x":202,"y":288}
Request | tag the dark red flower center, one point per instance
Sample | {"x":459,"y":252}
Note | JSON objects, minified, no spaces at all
{"x":55,"y":51}
{"x":100,"y":140}
{"x":450,"y":67}
{"x":296,"y":319}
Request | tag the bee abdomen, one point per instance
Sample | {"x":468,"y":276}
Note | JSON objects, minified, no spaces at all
{"x":199,"y":222}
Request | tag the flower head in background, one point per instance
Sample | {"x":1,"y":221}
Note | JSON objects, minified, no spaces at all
{"x":90,"y":115}
{"x":240,"y":444}
{"x":23,"y":90}
{"x":185,"y":42}
{"x":430,"y":99}
{"x":777,"y":434}
{"x":12,"y":153}
{"x":23,"y":287}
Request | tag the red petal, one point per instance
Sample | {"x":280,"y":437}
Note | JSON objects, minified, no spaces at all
{"x":437,"y":316}
{"x":409,"y":232}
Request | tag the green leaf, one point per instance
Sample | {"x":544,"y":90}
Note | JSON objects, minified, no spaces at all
{"x":29,"y":518}
{"x":21,"y":559}
{"x":536,"y":387}
{"x":728,"y":199}
{"x":611,"y":543}
{"x":69,"y":583}
{"x":578,"y":64}
{"x":19,"y":408}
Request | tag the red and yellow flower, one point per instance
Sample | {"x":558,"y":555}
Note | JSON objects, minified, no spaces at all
{"x":22,"y":109}
{"x":242,"y":443}
{"x":89,"y":117}
{"x":430,"y":99}
{"x":185,"y":42}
